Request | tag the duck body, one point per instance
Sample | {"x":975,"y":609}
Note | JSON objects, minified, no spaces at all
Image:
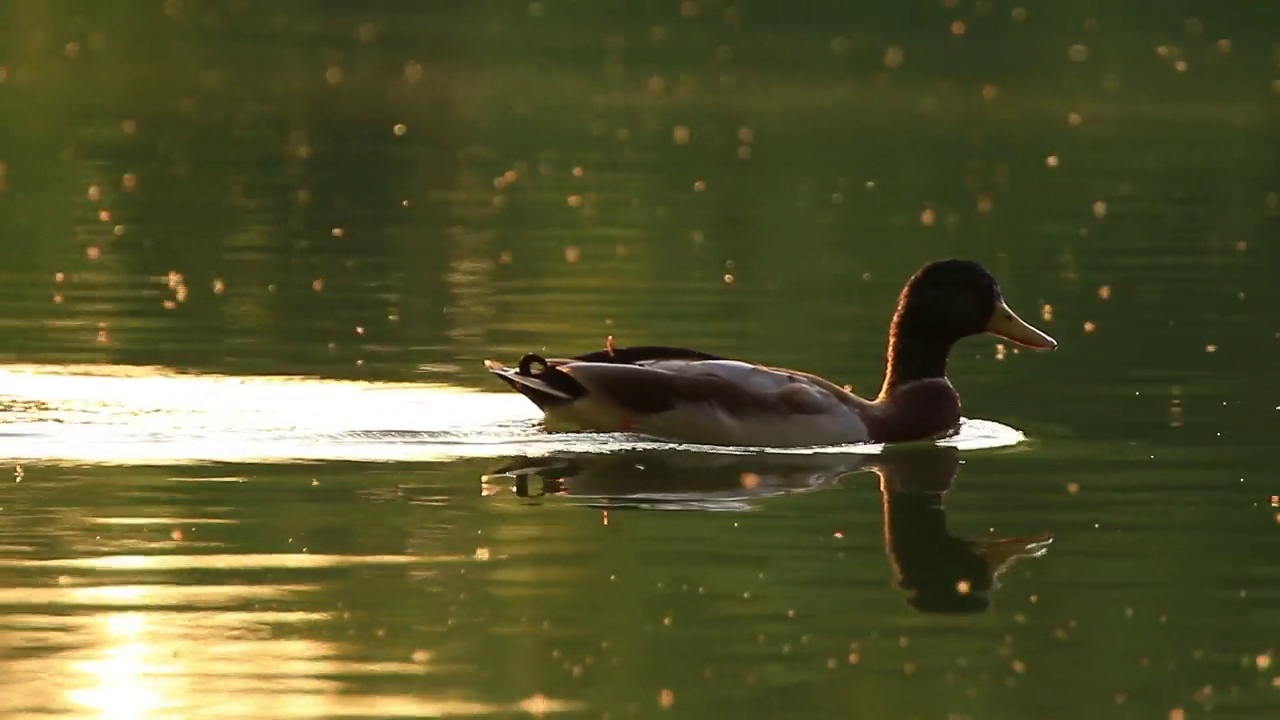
{"x":692,"y":396}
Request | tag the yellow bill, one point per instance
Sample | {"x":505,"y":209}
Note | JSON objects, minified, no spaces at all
{"x":1006,"y":324}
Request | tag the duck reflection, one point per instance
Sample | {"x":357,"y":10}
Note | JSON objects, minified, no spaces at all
{"x":671,"y":479}
{"x":941,"y":573}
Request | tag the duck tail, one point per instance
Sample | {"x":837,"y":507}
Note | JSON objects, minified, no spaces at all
{"x":546,"y":387}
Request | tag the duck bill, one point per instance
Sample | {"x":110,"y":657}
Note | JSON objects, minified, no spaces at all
{"x":1006,"y":324}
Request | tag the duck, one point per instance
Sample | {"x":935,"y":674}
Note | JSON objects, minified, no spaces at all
{"x":689,"y":396}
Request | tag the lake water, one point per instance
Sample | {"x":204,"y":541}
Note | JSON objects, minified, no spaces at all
{"x":253,"y":256}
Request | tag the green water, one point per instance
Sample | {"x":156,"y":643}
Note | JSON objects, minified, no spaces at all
{"x":390,"y":193}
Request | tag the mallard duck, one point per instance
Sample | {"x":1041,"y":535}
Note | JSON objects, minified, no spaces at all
{"x":686,"y":395}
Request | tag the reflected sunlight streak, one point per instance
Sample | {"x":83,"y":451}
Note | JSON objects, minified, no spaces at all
{"x":227,"y":561}
{"x":125,"y":415}
{"x":125,"y":681}
{"x":150,"y":664}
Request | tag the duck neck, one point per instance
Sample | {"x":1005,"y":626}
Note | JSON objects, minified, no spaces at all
{"x":913,"y":356}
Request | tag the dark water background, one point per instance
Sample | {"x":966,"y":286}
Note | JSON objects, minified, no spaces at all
{"x":380,"y":195}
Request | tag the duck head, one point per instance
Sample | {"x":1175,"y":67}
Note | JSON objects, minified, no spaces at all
{"x":944,"y":302}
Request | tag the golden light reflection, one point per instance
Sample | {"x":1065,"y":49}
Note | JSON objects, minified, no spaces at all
{"x":157,"y":663}
{"x":152,"y":665}
{"x":224,"y":562}
{"x":123,"y":681}
{"x":138,"y":414}
{"x":154,"y":595}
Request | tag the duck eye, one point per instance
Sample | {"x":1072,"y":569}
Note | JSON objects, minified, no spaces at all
{"x":1008,"y":316}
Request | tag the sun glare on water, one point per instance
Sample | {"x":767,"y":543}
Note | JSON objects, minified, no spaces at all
{"x":108,"y":414}
{"x":154,"y":650}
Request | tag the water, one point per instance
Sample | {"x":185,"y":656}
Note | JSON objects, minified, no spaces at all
{"x":253,"y":257}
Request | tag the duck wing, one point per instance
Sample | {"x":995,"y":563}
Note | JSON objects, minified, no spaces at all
{"x":741,"y":388}
{"x":640,"y":354}
{"x":688,"y":395}
{"x":723,"y":402}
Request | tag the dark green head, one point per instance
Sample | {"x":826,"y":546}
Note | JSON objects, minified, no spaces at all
{"x":944,"y":302}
